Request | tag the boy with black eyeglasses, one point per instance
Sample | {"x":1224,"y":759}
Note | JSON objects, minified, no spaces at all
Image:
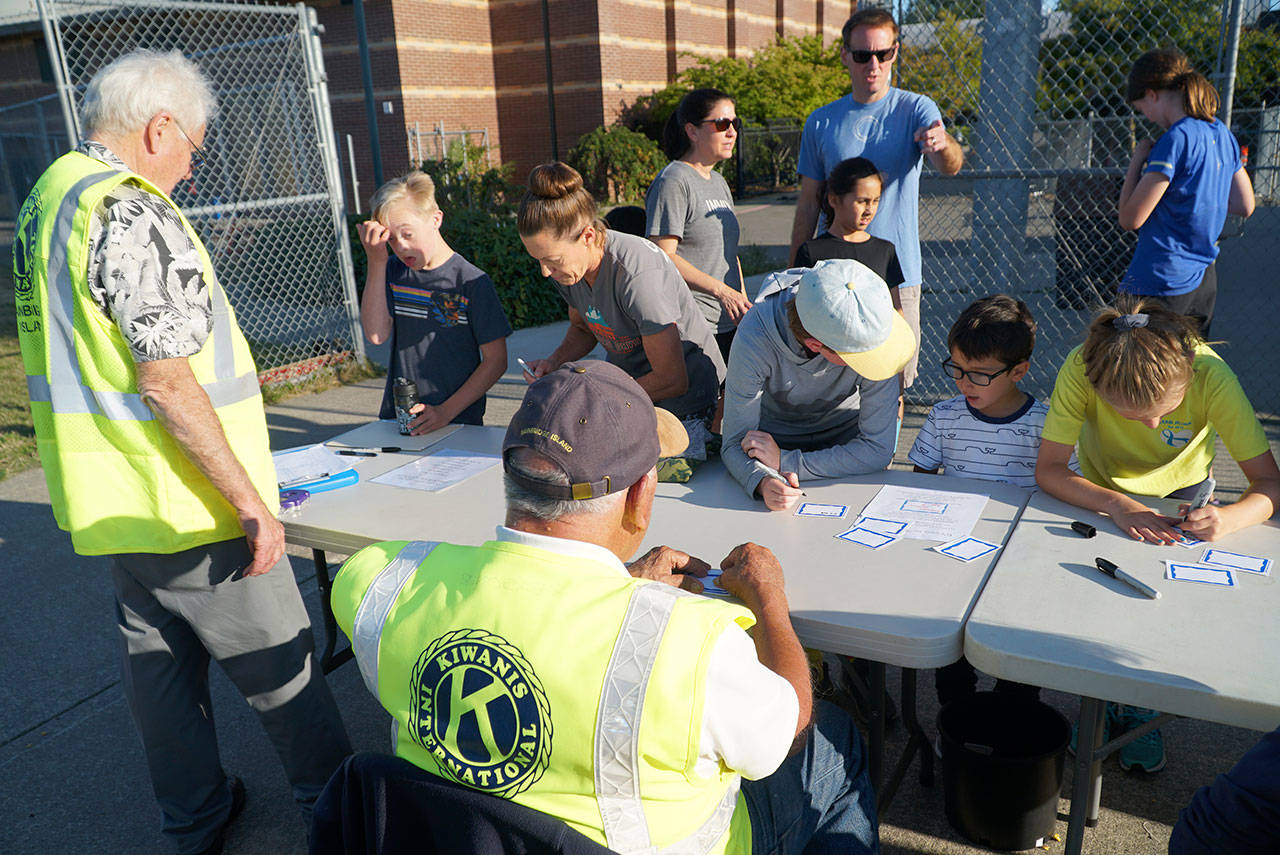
{"x":991,"y":430}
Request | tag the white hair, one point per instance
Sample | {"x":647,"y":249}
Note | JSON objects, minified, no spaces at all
{"x":522,"y":502}
{"x":126,"y":94}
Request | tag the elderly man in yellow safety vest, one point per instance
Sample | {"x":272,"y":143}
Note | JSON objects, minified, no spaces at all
{"x":540,"y":668}
{"x":151,"y":432}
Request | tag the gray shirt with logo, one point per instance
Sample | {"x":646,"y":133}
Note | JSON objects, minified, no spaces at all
{"x":699,"y":211}
{"x":828,"y":419}
{"x":639,"y":292}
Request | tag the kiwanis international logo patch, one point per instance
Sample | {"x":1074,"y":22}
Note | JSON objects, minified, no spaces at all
{"x":477,"y":706}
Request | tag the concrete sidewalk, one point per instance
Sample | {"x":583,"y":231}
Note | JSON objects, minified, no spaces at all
{"x":75,"y":781}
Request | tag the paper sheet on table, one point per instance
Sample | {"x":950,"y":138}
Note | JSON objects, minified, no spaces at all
{"x":308,"y":463}
{"x":929,"y":514}
{"x":435,"y":472}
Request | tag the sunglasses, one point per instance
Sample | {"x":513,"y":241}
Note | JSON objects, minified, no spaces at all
{"x":977,"y":378}
{"x":723,"y":125}
{"x":862,"y":57}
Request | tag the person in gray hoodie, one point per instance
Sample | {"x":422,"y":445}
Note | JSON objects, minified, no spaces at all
{"x":812,"y":387}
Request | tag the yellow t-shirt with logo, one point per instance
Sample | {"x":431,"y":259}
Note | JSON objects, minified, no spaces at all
{"x":1124,"y":455}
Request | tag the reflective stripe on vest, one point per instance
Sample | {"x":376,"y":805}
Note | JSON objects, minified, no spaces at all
{"x":376,"y":605}
{"x":617,"y":733}
{"x":617,"y":736}
{"x":64,"y":388}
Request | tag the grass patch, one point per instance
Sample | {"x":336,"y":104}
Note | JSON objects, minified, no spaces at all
{"x":17,"y":435}
{"x":317,"y":379}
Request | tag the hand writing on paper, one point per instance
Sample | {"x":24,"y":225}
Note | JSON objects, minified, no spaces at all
{"x":752,"y":574}
{"x":778,"y":496}
{"x":671,"y":566}
{"x":1205,"y":523}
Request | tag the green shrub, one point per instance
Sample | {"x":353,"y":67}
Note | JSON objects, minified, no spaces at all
{"x":480,"y":224}
{"x":617,"y":164}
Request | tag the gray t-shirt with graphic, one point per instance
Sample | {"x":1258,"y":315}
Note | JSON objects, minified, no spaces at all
{"x":639,"y":292}
{"x":699,"y":211}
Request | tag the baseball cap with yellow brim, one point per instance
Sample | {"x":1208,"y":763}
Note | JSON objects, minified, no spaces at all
{"x":595,"y":422}
{"x":846,"y":306}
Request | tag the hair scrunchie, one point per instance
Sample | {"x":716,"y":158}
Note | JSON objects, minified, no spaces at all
{"x":1130,"y":322}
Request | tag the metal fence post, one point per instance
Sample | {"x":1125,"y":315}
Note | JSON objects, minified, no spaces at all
{"x":309,"y":33}
{"x":1010,"y":62}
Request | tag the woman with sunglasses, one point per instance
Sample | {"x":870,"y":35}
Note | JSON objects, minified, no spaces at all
{"x":689,"y":209}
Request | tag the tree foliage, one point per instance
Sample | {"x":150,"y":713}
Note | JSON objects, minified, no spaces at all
{"x":787,"y":79}
{"x":617,"y":164}
{"x":1086,"y":68}
{"x":947,"y":71}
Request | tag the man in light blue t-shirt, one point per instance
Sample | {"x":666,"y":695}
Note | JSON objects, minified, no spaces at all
{"x":892,"y":128}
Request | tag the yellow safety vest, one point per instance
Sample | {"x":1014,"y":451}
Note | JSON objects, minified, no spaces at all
{"x":551,"y":681}
{"x":117,"y":479}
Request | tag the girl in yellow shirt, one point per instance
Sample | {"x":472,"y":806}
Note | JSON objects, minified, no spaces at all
{"x":1144,"y":397}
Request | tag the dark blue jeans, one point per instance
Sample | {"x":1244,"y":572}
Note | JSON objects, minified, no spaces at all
{"x":1239,"y":813}
{"x":820,"y":799}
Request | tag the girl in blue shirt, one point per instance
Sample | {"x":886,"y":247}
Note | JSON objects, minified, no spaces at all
{"x":1180,"y":188}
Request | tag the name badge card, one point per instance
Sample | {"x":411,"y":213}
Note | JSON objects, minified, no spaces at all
{"x":1199,"y":573}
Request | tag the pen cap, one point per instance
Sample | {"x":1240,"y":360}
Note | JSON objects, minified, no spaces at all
{"x":1083,"y":529}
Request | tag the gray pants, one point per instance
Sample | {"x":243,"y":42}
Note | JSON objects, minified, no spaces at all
{"x":174,"y":613}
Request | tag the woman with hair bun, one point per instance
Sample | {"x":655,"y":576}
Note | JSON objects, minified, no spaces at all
{"x":1180,"y":188}
{"x":623,"y":292}
{"x":689,"y":209}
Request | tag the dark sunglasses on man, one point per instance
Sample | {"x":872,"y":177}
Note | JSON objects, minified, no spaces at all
{"x":862,"y":57}
{"x":977,"y":378}
{"x":723,"y":125}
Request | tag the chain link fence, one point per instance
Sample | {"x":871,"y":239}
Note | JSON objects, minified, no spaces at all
{"x":32,"y":135}
{"x":268,"y":204}
{"x":1037,"y":99}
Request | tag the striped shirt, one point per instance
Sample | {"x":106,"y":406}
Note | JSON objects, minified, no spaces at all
{"x":968,"y":444}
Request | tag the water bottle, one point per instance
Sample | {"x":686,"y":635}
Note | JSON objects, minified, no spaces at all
{"x":405,"y":393}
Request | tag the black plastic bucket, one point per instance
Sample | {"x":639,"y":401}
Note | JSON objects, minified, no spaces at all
{"x":1002,"y":760}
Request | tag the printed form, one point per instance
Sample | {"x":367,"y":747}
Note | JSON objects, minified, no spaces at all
{"x":437,"y":471}
{"x":929,"y":514}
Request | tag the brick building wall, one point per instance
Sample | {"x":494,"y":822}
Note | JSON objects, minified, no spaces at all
{"x":481,"y":64}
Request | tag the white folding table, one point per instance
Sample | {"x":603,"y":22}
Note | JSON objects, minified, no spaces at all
{"x":901,"y":605}
{"x":1048,"y":617}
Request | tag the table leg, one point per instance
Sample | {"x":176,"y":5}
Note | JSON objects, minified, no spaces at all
{"x":1086,"y":789}
{"x":875,"y":723}
{"x":328,"y":659}
{"x":917,"y":741}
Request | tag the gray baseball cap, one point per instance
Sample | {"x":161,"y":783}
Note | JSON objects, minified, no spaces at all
{"x":596,"y":423}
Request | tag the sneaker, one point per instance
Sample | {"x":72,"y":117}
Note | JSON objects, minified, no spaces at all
{"x":1146,"y":753}
{"x":1112,"y":719}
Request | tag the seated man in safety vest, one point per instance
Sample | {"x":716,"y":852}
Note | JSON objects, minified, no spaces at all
{"x":540,"y":668}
